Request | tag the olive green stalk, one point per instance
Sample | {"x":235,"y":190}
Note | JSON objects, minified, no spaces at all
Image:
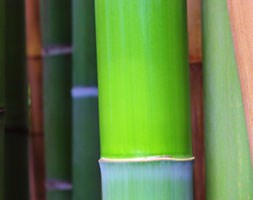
{"x":144,"y":105}
{"x":229,"y":174}
{"x":16,"y":92}
{"x":56,"y":37}
{"x":86,"y":175}
{"x":2,"y":109}
{"x":2,"y":153}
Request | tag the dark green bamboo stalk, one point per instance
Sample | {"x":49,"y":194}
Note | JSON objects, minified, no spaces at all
{"x":86,"y":175}
{"x":2,"y":108}
{"x":56,"y":36}
{"x":2,"y":111}
{"x":229,"y":174}
{"x":16,"y":92}
{"x":144,"y":99}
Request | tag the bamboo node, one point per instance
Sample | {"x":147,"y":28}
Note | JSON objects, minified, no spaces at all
{"x":84,"y":92}
{"x":56,"y":50}
{"x":56,"y":184}
{"x":146,"y":159}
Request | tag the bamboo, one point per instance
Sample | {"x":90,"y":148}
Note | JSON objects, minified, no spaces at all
{"x":85,"y":172}
{"x":146,"y":180}
{"x":194,"y":30}
{"x":34,"y":63}
{"x":2,"y":108}
{"x":2,"y":153}
{"x":197,"y":116}
{"x":56,"y":37}
{"x":16,"y":126}
{"x":242,"y":29}
{"x":144,"y":98}
{"x":195,"y":57}
{"x":228,"y":168}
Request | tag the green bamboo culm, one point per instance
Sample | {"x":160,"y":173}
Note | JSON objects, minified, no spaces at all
{"x":16,"y":93}
{"x":228,"y":168}
{"x":2,"y":112}
{"x":86,"y":175}
{"x":56,"y":39}
{"x":144,"y":104}
{"x":2,"y":108}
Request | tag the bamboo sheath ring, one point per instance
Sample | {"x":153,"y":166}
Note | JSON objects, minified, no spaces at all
{"x":145,"y":159}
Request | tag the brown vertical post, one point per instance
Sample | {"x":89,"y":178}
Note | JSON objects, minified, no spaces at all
{"x":242,"y":29}
{"x":195,"y":56}
{"x":34,"y":64}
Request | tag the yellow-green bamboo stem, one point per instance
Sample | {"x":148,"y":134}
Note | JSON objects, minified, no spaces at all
{"x":144,"y":105}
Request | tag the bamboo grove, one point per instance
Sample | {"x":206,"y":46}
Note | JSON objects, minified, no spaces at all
{"x":125,"y":100}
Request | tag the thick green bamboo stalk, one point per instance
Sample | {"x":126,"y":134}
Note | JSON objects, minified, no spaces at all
{"x":2,"y":109}
{"x":228,"y":170}
{"x":144,"y":97}
{"x":86,"y":175}
{"x":56,"y":36}
{"x":16,"y":92}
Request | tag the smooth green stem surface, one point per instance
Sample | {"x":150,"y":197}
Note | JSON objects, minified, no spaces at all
{"x":57,"y":122}
{"x":86,"y":174}
{"x":2,"y":39}
{"x":56,"y":39}
{"x":1,"y":153}
{"x":143,"y":78}
{"x":229,"y":174}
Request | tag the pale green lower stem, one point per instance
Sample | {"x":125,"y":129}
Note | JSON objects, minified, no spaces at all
{"x":147,"y":180}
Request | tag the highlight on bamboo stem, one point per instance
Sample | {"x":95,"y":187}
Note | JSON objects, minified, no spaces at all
{"x":34,"y":68}
{"x":16,"y":122}
{"x":229,"y":173}
{"x":56,"y":42}
{"x":144,"y":104}
{"x":240,"y":15}
{"x":85,"y":169}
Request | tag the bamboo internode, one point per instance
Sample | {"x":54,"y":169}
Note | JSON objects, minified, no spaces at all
{"x":56,"y":36}
{"x":242,"y":28}
{"x":229,"y":173}
{"x":144,"y":105}
{"x":85,"y":171}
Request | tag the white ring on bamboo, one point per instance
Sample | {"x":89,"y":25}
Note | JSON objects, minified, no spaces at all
{"x":80,"y":92}
{"x":146,"y":159}
{"x":56,"y":50}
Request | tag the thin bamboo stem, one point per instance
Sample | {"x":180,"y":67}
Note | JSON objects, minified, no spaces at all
{"x":16,"y":126}
{"x":195,"y":57}
{"x":2,"y":92}
{"x":194,"y":30}
{"x":34,"y":64}
{"x":56,"y":39}
{"x":242,"y":29}
{"x":2,"y":112}
{"x":85,"y":168}
{"x":197,"y":116}
{"x":229,"y":173}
